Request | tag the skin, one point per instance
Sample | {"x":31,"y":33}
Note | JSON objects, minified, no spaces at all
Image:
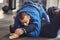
{"x":19,"y":31}
{"x":57,"y":11}
{"x":25,"y":21}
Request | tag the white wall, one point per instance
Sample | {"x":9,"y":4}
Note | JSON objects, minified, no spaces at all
{"x":59,"y":3}
{"x":51,"y":3}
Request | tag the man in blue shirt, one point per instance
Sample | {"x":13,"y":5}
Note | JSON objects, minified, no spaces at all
{"x":28,"y":20}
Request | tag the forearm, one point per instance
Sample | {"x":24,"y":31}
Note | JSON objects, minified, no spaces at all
{"x":44,"y":15}
{"x":25,"y":30}
{"x":29,"y":29}
{"x":47,"y":19}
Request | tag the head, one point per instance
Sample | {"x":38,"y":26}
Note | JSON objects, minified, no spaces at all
{"x":51,"y":11}
{"x":24,"y":18}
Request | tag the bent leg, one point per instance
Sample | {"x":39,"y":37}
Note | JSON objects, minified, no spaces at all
{"x":47,"y":32}
{"x":51,"y":30}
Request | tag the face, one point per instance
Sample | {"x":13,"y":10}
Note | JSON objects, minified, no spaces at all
{"x":25,"y":21}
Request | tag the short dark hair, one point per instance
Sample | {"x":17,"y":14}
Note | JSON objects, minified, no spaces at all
{"x":22,"y":15}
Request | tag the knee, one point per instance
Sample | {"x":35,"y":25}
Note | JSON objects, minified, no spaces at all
{"x":11,"y":27}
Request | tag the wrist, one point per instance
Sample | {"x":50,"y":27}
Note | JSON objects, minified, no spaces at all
{"x":24,"y":31}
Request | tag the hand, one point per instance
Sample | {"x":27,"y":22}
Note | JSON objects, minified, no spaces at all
{"x":19,"y":31}
{"x":13,"y":36}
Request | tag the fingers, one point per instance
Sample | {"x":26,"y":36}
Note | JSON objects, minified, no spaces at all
{"x":13,"y":36}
